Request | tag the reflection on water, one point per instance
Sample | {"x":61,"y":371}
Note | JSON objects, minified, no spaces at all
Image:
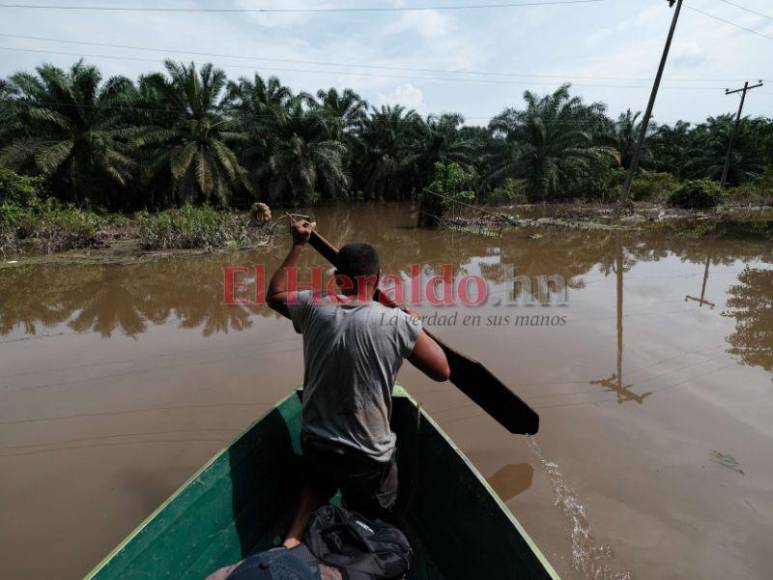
{"x":751,"y":304}
{"x":702,"y":299}
{"x":100,"y":428}
{"x":104,"y":299}
{"x":614,"y":382}
{"x":511,"y":480}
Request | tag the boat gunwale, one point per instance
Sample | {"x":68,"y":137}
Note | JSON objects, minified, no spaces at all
{"x":398,"y":391}
{"x":482,"y":480}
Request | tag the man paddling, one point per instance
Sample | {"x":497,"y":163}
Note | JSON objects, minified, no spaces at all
{"x":353,"y":347}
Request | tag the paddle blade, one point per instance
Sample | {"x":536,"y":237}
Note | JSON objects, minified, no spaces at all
{"x":491,"y":394}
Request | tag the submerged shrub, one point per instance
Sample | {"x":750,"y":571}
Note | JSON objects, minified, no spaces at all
{"x":652,"y":186}
{"x":450,"y":186}
{"x":8,"y":241}
{"x":49,"y":224}
{"x":65,"y":228}
{"x":757,"y":192}
{"x":696,"y":194}
{"x":512,"y":191}
{"x":192,"y":227}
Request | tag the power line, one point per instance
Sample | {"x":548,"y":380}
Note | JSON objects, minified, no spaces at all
{"x":357,"y":74}
{"x":302,"y":10}
{"x":755,"y":12}
{"x":349,"y":64}
{"x":730,"y":22}
{"x":269,"y":116}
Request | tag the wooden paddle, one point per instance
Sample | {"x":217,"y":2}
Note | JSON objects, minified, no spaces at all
{"x":470,"y":376}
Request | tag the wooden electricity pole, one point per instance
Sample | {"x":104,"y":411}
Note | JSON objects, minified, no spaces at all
{"x":645,"y":123}
{"x":746,"y":88}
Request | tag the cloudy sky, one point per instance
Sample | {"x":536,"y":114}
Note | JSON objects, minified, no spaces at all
{"x":608,"y":49}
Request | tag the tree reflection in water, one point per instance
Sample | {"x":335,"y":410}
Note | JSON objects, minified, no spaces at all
{"x":751,"y":304}
{"x":104,"y":299}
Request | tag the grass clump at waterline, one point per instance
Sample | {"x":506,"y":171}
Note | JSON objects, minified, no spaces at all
{"x":32,"y":223}
{"x":198,"y":227}
{"x":51,"y":226}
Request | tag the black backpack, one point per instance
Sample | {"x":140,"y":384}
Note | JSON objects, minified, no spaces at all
{"x":362,"y":549}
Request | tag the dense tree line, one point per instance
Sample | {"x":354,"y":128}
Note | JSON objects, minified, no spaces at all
{"x":189,"y":134}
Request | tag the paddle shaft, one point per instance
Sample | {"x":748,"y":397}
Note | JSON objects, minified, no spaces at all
{"x":469,"y":375}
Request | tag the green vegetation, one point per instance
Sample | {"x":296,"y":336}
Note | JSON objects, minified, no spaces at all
{"x":193,"y":227}
{"x":26,"y":219}
{"x":29,"y":221}
{"x":177,"y":148}
{"x":512,"y":191}
{"x":49,"y":226}
{"x":550,"y":144}
{"x":451,"y":184}
{"x":651,"y":186}
{"x":189,"y":135}
{"x":696,"y":194}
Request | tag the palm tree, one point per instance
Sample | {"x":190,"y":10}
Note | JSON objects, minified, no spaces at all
{"x":550,"y":143}
{"x":437,"y":141}
{"x":7,"y":102}
{"x":258,"y":104}
{"x":623,"y":136}
{"x":63,"y":125}
{"x":304,"y":162}
{"x":258,"y":96}
{"x":708,"y":151}
{"x":192,"y":150}
{"x":671,"y":147}
{"x":384,"y":138}
{"x":260,"y":107}
{"x":342,"y":111}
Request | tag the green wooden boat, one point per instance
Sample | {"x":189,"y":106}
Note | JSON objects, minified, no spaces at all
{"x":242,"y":500}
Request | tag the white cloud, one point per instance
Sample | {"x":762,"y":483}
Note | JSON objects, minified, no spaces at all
{"x":611,"y":51}
{"x":689,"y":55}
{"x":406,"y":94}
{"x":427,"y":23}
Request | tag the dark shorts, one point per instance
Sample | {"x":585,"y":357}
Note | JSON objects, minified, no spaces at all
{"x":367,"y":486}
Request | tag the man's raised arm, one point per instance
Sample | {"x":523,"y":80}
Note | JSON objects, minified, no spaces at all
{"x":277,"y":293}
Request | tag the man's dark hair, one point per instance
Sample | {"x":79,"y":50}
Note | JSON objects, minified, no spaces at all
{"x":357,"y":260}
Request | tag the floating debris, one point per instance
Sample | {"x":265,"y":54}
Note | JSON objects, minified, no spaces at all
{"x":726,"y":461}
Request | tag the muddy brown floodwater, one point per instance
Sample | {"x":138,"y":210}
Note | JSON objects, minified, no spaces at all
{"x":651,"y":369}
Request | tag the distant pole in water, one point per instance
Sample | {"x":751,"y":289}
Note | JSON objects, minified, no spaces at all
{"x":614,"y":383}
{"x":650,"y":106}
{"x":702,"y":300}
{"x":746,"y":88}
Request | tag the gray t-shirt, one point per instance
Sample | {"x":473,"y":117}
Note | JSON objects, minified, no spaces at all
{"x":352,"y":352}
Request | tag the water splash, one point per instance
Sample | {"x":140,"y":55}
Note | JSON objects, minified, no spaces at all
{"x":589,"y":557}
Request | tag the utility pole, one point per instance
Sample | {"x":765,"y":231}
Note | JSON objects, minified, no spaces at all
{"x":746,"y":88}
{"x":645,"y":123}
